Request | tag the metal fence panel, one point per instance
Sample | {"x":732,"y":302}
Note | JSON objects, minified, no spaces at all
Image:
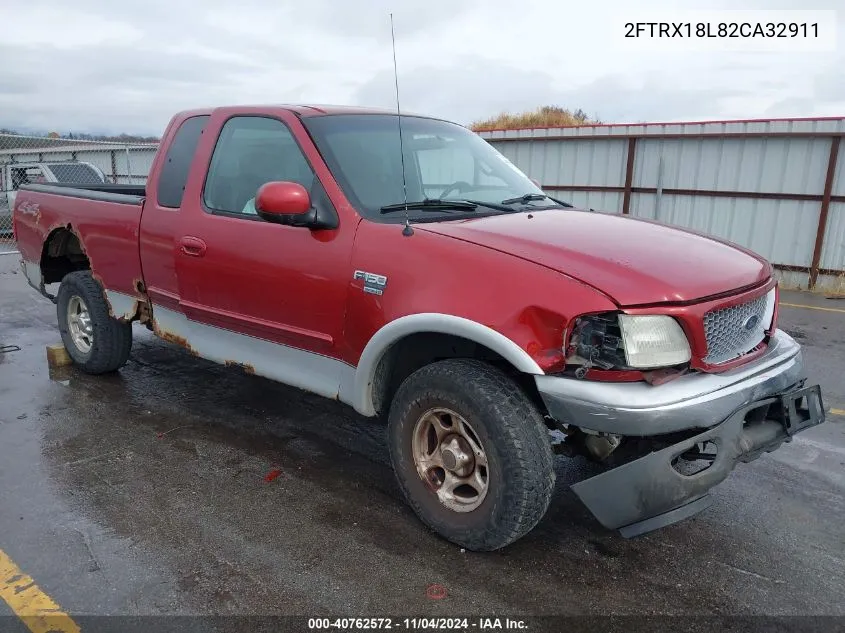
{"x":604,"y":201}
{"x":833,"y":251}
{"x":777,"y":165}
{"x":586,"y":162}
{"x":838,"y":188}
{"x":778,"y":230}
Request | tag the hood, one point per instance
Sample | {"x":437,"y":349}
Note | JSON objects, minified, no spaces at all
{"x":634,"y":261}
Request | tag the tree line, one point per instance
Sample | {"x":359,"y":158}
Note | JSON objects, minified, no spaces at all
{"x":81,"y":136}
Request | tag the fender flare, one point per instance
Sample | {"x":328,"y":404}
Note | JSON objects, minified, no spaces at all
{"x":361,"y":396}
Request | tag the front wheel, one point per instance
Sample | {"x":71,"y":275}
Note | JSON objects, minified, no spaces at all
{"x":471,"y":453}
{"x":95,"y":340}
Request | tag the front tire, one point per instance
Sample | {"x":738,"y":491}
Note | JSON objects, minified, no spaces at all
{"x":97,"y":342}
{"x":471,"y":453}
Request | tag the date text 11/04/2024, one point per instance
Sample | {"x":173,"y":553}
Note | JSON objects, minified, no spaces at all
{"x":722,"y":29}
{"x":417,"y":624}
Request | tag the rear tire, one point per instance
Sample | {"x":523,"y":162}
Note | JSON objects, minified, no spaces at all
{"x":486,"y":432}
{"x":97,"y":342}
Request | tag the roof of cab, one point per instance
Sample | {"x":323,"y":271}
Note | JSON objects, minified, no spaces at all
{"x":301,"y":109}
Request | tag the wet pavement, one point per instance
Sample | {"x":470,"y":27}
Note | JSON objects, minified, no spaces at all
{"x":180,"y":487}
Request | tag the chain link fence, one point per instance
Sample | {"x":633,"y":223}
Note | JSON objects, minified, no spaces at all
{"x":55,"y":159}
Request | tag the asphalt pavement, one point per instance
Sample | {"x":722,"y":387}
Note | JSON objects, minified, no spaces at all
{"x":177,"y":486}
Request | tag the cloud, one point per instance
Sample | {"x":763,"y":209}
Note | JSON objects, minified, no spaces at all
{"x":829,"y":85}
{"x":99,"y":66}
{"x":475,"y":88}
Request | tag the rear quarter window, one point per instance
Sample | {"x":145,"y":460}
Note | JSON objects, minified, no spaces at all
{"x":177,"y":162}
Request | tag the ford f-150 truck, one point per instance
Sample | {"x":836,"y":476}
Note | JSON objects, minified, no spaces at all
{"x":424,"y":278}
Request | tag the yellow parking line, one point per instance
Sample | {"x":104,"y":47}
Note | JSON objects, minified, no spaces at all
{"x":34,"y":607}
{"x":801,"y":305}
{"x":837,"y":412}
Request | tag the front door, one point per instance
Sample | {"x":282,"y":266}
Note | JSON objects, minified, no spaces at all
{"x":255,"y":292}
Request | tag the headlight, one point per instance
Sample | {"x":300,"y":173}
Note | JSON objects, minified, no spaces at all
{"x":622,"y":341}
{"x":653,"y":341}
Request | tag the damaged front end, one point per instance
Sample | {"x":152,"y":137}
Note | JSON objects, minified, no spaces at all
{"x":672,"y":483}
{"x":667,"y":445}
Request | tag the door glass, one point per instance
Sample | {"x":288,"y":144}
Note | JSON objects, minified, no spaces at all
{"x":177,"y":163}
{"x":250,"y":152}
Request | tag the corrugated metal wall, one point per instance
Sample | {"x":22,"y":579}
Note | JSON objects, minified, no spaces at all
{"x":760,"y":184}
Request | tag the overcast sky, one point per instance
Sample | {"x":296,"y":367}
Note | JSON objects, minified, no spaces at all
{"x":107,"y":66}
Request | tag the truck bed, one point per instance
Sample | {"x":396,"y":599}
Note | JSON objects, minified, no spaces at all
{"x":105,"y":218}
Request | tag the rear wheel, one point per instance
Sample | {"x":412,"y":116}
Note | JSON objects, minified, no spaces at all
{"x":471,"y":453}
{"x":96,"y":341}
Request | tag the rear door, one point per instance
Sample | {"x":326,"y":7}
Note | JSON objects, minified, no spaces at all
{"x":160,"y":220}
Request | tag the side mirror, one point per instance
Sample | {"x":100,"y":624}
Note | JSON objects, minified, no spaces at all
{"x":285,"y":202}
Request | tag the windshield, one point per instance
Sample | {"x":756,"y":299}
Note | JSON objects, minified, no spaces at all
{"x":78,"y":173}
{"x":442,"y":160}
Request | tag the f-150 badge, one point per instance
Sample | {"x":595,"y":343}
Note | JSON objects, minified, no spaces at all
{"x":374,"y":284}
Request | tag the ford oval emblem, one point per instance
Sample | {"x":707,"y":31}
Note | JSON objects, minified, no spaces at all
{"x":751,"y":322}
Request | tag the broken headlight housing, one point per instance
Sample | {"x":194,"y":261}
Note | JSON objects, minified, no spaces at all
{"x":624,"y":341}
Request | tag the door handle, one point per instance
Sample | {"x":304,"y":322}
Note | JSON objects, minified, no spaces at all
{"x":192,"y":246}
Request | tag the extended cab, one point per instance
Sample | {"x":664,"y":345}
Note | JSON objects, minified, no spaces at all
{"x":425,"y":278}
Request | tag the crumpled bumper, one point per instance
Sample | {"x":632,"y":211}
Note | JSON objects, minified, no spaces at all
{"x":696,"y":400}
{"x":648,"y":493}
{"x":743,"y":413}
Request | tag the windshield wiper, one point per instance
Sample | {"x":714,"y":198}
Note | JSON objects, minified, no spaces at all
{"x":430,"y":204}
{"x":531,"y":197}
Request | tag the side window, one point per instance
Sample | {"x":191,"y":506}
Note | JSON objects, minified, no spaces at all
{"x":252,"y":150}
{"x":177,"y":163}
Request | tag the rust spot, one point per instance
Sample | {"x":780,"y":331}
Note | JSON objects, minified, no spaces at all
{"x":143,"y":312}
{"x":170,"y":337}
{"x":246,"y":367}
{"x":138,"y":284}
{"x":173,"y":338}
{"x":78,"y":237}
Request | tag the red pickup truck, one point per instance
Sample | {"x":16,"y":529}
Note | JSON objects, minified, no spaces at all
{"x":424,"y":278}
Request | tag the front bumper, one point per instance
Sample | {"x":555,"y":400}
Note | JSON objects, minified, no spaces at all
{"x":692,"y":401}
{"x":743,"y":413}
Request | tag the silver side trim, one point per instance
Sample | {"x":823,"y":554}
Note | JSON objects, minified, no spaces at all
{"x":32,"y":271}
{"x":360,"y":393}
{"x":693,"y":401}
{"x":295,"y":367}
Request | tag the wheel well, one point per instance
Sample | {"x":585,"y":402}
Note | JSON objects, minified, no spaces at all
{"x":417,"y":350}
{"x":62,"y":254}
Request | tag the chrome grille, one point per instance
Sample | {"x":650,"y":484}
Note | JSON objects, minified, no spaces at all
{"x":731,"y":332}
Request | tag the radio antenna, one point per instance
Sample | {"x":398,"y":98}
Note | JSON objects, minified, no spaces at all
{"x":407,"y":231}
